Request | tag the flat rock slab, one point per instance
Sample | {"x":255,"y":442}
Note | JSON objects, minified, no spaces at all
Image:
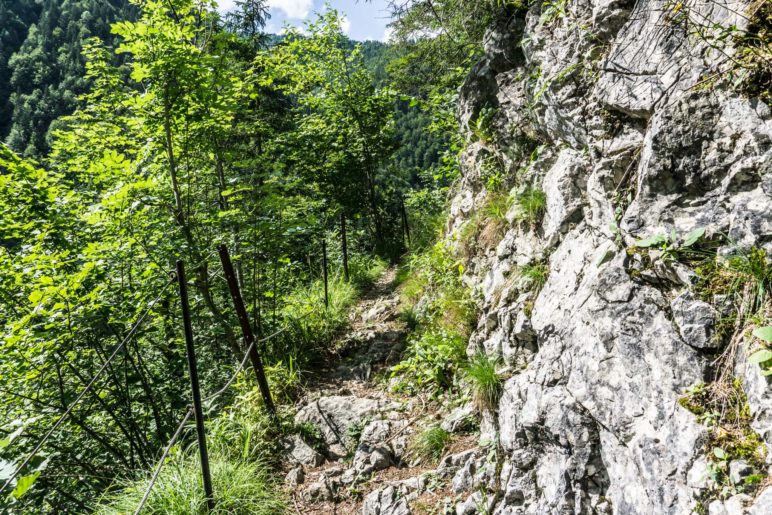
{"x":336,"y":415}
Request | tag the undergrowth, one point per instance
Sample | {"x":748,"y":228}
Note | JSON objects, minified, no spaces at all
{"x":240,"y":487}
{"x":244,"y":442}
{"x":430,"y":444}
{"x":439,"y":306}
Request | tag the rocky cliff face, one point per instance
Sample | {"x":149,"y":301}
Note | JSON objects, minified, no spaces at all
{"x":623,"y":113}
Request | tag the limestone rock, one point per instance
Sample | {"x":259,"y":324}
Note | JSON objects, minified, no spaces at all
{"x":300,"y":452}
{"x":335,"y":415}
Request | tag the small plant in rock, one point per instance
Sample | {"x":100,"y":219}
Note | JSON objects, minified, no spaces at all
{"x":536,"y":274}
{"x":312,"y":435}
{"x":530,"y":206}
{"x":431,"y":443}
{"x":487,"y":384}
{"x":482,"y":127}
{"x":671,"y":246}
{"x":354,"y":431}
{"x":723,"y":408}
{"x":763,"y":356}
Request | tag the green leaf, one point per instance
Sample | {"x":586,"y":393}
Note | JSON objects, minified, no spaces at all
{"x":764,"y":333}
{"x":720,"y":453}
{"x":658,"y":239}
{"x":693,"y":236}
{"x":35,"y":296}
{"x":24,"y":484}
{"x":607,"y":256}
{"x":760,"y":356}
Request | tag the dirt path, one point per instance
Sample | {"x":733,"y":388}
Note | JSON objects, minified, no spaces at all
{"x":356,"y":435}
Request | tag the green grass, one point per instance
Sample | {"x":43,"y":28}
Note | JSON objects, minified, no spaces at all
{"x":431,"y":443}
{"x":530,"y":206}
{"x":487,"y":385}
{"x":410,"y":317}
{"x":311,"y":328}
{"x":240,"y":487}
{"x":536,"y":274}
{"x":365,"y":270}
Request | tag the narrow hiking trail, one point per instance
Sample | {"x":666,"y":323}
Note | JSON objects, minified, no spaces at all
{"x":354,"y":453}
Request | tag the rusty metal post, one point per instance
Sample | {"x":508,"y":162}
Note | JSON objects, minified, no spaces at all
{"x":344,"y":245}
{"x":193,"y":369}
{"x":405,"y":224}
{"x":324,"y":264}
{"x":246,"y":329}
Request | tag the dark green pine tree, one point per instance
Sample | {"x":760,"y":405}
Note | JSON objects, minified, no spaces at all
{"x":16,"y":16}
{"x":46,"y":71}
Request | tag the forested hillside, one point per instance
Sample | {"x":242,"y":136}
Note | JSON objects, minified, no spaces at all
{"x":42,"y":63}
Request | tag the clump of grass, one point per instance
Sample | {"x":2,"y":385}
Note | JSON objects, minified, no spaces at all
{"x":495,"y":215}
{"x":536,"y":274}
{"x":365,"y":270}
{"x":530,"y":206}
{"x":487,"y":385}
{"x":487,"y":225}
{"x":240,"y":488}
{"x":431,"y":443}
{"x":410,"y":317}
{"x":285,"y":379}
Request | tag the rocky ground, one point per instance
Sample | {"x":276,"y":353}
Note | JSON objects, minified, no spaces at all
{"x":355,"y":455}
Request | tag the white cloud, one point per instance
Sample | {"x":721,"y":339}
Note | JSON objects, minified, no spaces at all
{"x":387,"y":35}
{"x":297,"y":9}
{"x":287,"y":29}
{"x":345,"y":24}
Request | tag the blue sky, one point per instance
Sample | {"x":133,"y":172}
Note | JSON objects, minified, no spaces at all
{"x":363,"y":20}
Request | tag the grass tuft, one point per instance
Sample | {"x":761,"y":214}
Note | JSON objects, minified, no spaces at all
{"x":240,"y":488}
{"x":487,"y":385}
{"x":431,"y":443}
{"x":536,"y":274}
{"x":530,"y":206}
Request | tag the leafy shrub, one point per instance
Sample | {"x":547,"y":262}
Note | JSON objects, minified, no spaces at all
{"x":431,"y":443}
{"x":487,"y":385}
{"x":432,"y":360}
